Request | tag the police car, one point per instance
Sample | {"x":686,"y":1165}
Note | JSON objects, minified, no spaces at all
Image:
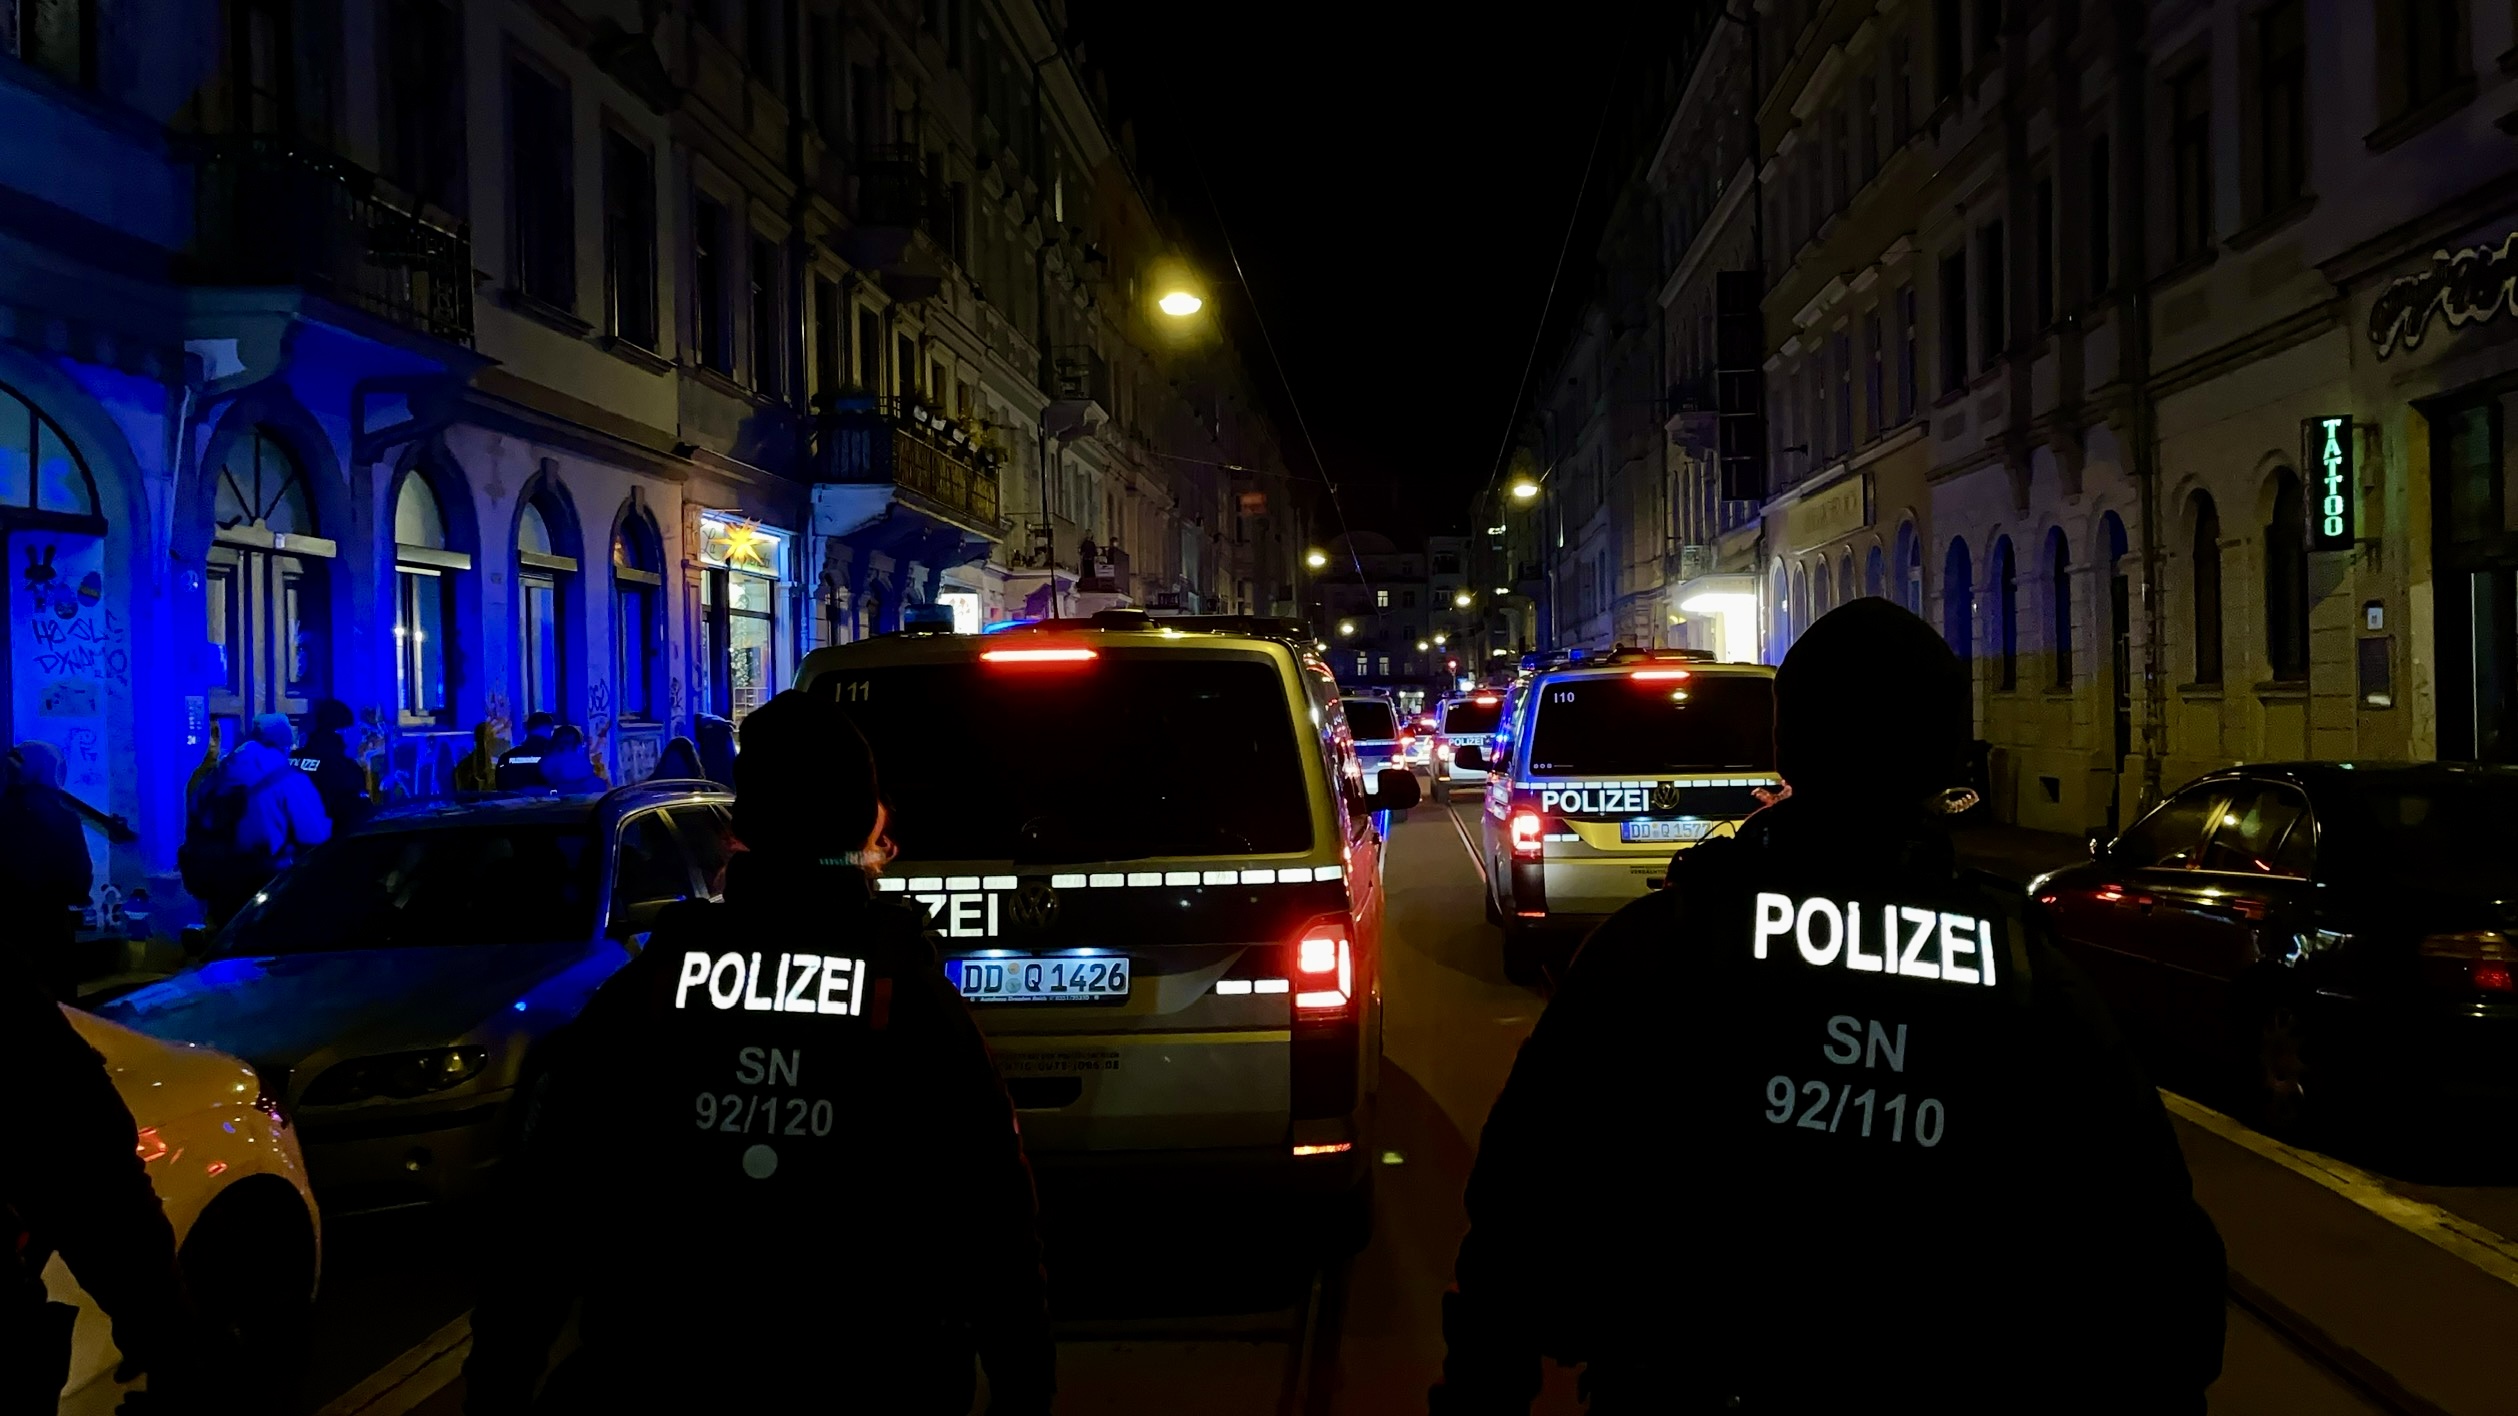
{"x":1464,"y":721}
{"x":1177,"y":981}
{"x":1600,"y":769}
{"x":1373,"y":721}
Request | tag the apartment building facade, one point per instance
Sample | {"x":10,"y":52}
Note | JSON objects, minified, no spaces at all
{"x":462,"y":361}
{"x":2153,"y":352}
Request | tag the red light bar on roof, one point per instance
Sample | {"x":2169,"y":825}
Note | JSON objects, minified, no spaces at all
{"x":1658,"y":675}
{"x":1486,"y":700}
{"x":1038,"y":656}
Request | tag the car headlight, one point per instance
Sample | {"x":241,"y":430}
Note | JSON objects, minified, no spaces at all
{"x":401,"y":1075}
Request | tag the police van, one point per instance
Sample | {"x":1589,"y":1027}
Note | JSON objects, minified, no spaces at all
{"x":1176,"y":981}
{"x":1373,"y":722}
{"x":1464,"y":721}
{"x":1600,"y":770}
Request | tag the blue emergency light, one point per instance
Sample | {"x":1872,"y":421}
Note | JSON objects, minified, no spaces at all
{"x":1000,"y":626}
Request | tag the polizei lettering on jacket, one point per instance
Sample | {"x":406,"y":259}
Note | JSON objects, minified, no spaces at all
{"x":1871,"y":937}
{"x":774,"y":983}
{"x":1596,"y":801}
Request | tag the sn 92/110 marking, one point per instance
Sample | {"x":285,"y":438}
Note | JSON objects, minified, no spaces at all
{"x":737,"y":1114}
{"x":1929,"y":1115}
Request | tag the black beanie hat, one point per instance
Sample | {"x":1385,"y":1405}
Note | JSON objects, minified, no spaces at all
{"x":1871,"y":703}
{"x":804,"y":783}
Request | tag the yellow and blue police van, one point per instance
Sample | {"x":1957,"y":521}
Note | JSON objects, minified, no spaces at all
{"x":1182,"y":985}
{"x":1599,"y":771}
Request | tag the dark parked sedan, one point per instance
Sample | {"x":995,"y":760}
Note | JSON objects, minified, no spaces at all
{"x":391,"y":987}
{"x":2315,"y":938}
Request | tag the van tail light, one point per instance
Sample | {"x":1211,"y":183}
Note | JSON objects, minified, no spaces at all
{"x":1529,"y":834}
{"x":1324,"y":967}
{"x":1328,"y":1046}
{"x":2483,"y":961}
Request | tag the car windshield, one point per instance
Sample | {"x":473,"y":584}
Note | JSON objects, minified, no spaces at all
{"x":504,"y":884}
{"x":1629,"y":726}
{"x":1122,"y":758}
{"x":2450,"y":833}
{"x":1470,"y":716}
{"x":1371,"y":720}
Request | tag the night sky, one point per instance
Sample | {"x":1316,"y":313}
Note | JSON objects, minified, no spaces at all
{"x":1397,"y":180}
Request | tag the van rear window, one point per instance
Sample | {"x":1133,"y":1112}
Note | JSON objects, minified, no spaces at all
{"x":1370,"y":719}
{"x":1470,"y":716}
{"x":1121,"y":758}
{"x":1629,"y":727}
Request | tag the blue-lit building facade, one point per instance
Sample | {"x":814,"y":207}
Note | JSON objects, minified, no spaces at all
{"x":465,"y":361}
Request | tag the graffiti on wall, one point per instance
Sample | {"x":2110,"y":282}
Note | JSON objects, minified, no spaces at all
{"x":2463,"y":287}
{"x":599,"y":730}
{"x":70,"y":664}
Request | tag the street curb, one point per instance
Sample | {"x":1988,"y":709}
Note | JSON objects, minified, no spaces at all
{"x":412,"y":1378}
{"x":2346,"y":1362}
{"x":2468,"y":1241}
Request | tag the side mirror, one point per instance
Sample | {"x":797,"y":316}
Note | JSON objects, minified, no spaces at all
{"x":1469,"y":755}
{"x":1396,"y":789}
{"x":2100,"y":845}
{"x":195,"y":940}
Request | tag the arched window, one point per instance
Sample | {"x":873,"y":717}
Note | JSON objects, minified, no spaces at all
{"x":546,"y":569}
{"x":1804,"y":609}
{"x":637,"y":612}
{"x":265,"y":577}
{"x":2207,"y":589}
{"x":1910,"y":568}
{"x":2006,"y":612}
{"x":1778,"y":612}
{"x":2286,"y":583}
{"x":1874,"y":574}
{"x":1845,"y":577}
{"x":2059,"y":604}
{"x":425,"y":565}
{"x":1822,"y":591}
{"x":41,"y":472}
{"x":1958,"y":600}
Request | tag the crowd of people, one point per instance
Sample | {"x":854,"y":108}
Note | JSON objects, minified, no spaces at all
{"x":1584,"y":1246}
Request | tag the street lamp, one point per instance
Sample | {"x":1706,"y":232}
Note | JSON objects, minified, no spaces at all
{"x":1180,"y":304}
{"x":1461,"y":600}
{"x":1503,"y":589}
{"x":1346,"y":626}
{"x":1525,"y":489}
{"x":1316,"y":559}
{"x":1441,"y":640}
{"x":1422,"y":646}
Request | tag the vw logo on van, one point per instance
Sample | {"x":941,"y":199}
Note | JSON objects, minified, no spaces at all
{"x":1036,"y":907}
{"x":1665,"y":797}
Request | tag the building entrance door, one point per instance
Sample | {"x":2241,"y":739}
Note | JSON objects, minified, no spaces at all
{"x":266,"y":580}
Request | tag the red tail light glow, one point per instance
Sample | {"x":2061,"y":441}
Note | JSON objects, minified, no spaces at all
{"x":1486,"y":700}
{"x":1039,"y":656}
{"x":2493,"y":976}
{"x":1529,"y":830}
{"x":1323,"y":957}
{"x":1658,"y":675}
{"x":2485,"y":961}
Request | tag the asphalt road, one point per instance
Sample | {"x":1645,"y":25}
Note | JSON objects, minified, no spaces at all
{"x":1221,"y":1326}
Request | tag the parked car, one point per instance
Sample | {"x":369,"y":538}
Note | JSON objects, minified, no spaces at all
{"x":391,"y":988}
{"x":2314,"y":938}
{"x":226,"y":1167}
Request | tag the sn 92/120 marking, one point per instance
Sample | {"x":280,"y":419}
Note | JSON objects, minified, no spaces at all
{"x":1818,"y":1115}
{"x":737,"y":1114}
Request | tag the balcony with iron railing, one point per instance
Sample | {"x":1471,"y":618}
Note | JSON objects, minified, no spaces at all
{"x":873,"y":441}
{"x":271,"y":212}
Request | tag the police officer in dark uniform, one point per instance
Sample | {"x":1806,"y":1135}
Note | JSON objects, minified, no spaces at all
{"x":1827,"y":1126}
{"x":521,"y":766}
{"x":326,"y":757}
{"x":773,"y":1160}
{"x":71,"y":1182}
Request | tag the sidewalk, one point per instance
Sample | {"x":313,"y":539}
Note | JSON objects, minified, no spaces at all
{"x":2015,"y":853}
{"x":2356,"y":1266}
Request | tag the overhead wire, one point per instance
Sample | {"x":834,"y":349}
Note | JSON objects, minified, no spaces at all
{"x":1556,"y":274}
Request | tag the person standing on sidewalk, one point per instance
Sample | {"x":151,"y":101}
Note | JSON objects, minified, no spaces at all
{"x":833,"y":1211}
{"x":45,"y":872}
{"x":1870,"y":1143}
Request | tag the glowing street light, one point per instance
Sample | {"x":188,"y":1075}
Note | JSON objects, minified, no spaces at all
{"x":1461,"y":600}
{"x":1180,"y":304}
{"x":1525,"y":489}
{"x":1441,"y":640}
{"x":1503,"y":589}
{"x":1422,"y":646}
{"x":1316,"y":559}
{"x":1346,"y":626}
